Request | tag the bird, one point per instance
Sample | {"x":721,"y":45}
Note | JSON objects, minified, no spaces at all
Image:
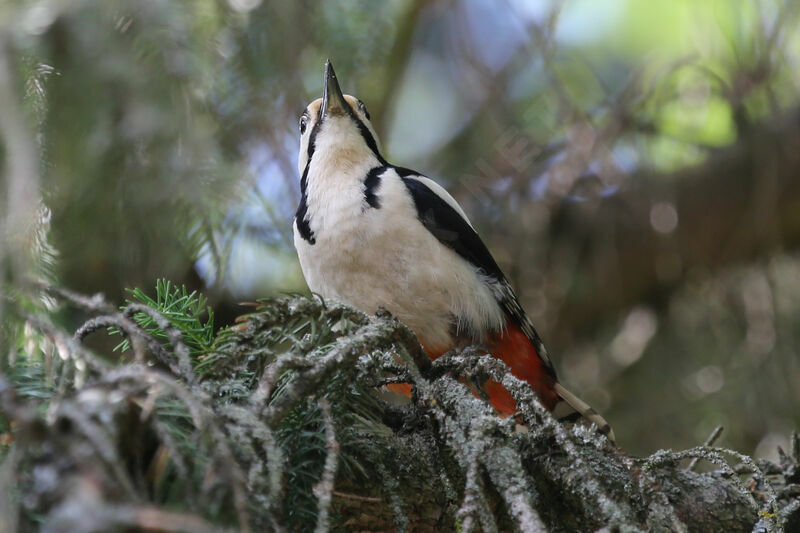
{"x":374,"y":236}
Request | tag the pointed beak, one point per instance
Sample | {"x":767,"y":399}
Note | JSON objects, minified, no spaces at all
{"x":332,"y":99}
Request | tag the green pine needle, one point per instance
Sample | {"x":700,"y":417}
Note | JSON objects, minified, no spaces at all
{"x":182,"y":308}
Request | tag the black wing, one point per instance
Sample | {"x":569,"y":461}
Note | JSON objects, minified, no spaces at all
{"x":449,"y":226}
{"x":452,"y":230}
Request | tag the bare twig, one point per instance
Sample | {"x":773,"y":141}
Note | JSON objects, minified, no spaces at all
{"x":95,"y":302}
{"x":709,"y":442}
{"x":356,"y":497}
{"x":474,"y":505}
{"x":128,"y":328}
{"x":173,"y":333}
{"x":324,"y":489}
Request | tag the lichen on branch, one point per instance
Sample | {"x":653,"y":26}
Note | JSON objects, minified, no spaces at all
{"x":283,"y":423}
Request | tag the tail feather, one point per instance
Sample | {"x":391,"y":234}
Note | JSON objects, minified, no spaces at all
{"x":514,"y":347}
{"x":570,"y":407}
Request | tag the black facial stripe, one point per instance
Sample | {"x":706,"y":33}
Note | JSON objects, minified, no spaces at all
{"x":371,"y":184}
{"x":312,"y":137}
{"x":312,"y":141}
{"x":363,"y":108}
{"x":366,"y":135}
{"x":370,"y":140}
{"x":301,"y":216}
{"x":302,"y":221}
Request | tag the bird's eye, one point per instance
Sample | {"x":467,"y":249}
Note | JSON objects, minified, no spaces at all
{"x":363,"y":109}
{"x":303,"y":124}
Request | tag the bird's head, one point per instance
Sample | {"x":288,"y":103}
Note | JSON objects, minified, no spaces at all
{"x":335,"y":130}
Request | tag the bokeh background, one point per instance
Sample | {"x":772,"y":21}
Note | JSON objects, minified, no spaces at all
{"x":633,"y":165}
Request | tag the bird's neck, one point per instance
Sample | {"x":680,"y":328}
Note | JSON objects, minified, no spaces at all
{"x":335,"y":188}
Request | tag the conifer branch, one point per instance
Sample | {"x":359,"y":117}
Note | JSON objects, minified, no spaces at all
{"x":280,"y":424}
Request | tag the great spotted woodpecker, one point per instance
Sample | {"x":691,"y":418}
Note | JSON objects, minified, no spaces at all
{"x":371,"y":234}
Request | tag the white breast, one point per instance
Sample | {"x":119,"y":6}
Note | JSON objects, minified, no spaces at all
{"x":371,"y":258}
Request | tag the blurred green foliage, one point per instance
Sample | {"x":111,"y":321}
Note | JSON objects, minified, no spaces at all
{"x":164,"y":140}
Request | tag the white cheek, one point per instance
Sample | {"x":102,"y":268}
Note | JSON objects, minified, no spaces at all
{"x":302,"y":156}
